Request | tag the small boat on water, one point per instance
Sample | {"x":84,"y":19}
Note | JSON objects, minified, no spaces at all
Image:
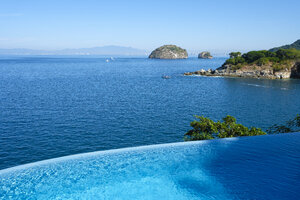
{"x":166,"y":77}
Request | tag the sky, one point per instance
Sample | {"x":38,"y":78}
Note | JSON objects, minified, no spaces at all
{"x":192,"y":24}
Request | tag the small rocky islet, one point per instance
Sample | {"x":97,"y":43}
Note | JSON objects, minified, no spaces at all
{"x":169,"y":52}
{"x":205,"y":55}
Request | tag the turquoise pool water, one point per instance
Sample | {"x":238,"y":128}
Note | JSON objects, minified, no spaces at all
{"x":261,"y":167}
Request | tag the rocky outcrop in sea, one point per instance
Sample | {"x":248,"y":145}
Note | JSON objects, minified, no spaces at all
{"x":205,"y":55}
{"x":169,"y":52}
{"x":251,"y":72}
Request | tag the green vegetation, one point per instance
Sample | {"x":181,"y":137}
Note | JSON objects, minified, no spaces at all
{"x":173,"y":48}
{"x":277,"y":60}
{"x":295,"y":45}
{"x":235,"y":61}
{"x":235,"y":54}
{"x":206,"y":129}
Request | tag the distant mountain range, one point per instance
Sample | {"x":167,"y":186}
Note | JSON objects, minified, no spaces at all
{"x":104,"y":50}
{"x":110,"y":50}
{"x":295,"y":45}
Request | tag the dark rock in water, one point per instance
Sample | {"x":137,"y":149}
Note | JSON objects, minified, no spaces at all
{"x":205,"y":55}
{"x":188,"y":73}
{"x":169,"y":52}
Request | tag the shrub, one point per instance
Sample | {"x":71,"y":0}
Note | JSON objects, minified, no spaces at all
{"x":230,"y":61}
{"x":264,"y":57}
{"x":262,"y":61}
{"x":235,"y":54}
{"x":288,"y":54}
{"x":205,"y":128}
{"x":273,"y":59}
{"x":235,"y":61}
{"x":252,"y":56}
{"x":277,"y":67}
{"x":237,"y":67}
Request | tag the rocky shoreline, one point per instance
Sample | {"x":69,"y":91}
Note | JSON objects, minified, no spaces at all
{"x":250,"y":72}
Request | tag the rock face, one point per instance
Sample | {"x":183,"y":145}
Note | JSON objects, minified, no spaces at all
{"x":205,"y":55}
{"x":251,"y":72}
{"x":295,"y":72}
{"x":169,"y":52}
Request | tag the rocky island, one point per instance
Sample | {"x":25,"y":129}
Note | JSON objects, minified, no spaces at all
{"x":205,"y":55}
{"x":282,"y":64}
{"x":169,"y":52}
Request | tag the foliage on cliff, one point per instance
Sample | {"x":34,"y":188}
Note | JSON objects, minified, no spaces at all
{"x":206,"y":128}
{"x":295,"y":45}
{"x":277,"y":60}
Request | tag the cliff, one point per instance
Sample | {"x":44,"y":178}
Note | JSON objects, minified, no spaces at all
{"x":169,"y":52}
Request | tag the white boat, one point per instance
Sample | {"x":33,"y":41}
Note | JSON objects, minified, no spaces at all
{"x":166,"y":77}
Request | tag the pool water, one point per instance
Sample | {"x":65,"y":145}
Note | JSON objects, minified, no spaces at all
{"x":260,"y":167}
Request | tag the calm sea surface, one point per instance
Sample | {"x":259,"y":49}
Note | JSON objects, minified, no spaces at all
{"x":55,"y":106}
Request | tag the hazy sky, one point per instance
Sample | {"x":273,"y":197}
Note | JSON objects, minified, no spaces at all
{"x":192,"y":24}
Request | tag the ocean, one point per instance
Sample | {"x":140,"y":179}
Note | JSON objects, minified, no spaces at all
{"x":53,"y":106}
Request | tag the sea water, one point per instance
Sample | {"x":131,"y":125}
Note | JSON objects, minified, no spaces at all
{"x":58,"y":106}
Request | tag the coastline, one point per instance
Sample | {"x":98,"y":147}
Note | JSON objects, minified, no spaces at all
{"x":265,"y":72}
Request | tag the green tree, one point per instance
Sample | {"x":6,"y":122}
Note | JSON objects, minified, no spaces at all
{"x":235,"y":54}
{"x":262,"y":61}
{"x":252,"y":56}
{"x":235,"y":61}
{"x":278,"y":60}
{"x":206,"y":128}
{"x":288,"y":54}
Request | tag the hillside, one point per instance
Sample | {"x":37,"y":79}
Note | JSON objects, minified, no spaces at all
{"x":295,"y":45}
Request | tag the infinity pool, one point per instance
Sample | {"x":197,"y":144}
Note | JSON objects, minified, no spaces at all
{"x":261,"y":167}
